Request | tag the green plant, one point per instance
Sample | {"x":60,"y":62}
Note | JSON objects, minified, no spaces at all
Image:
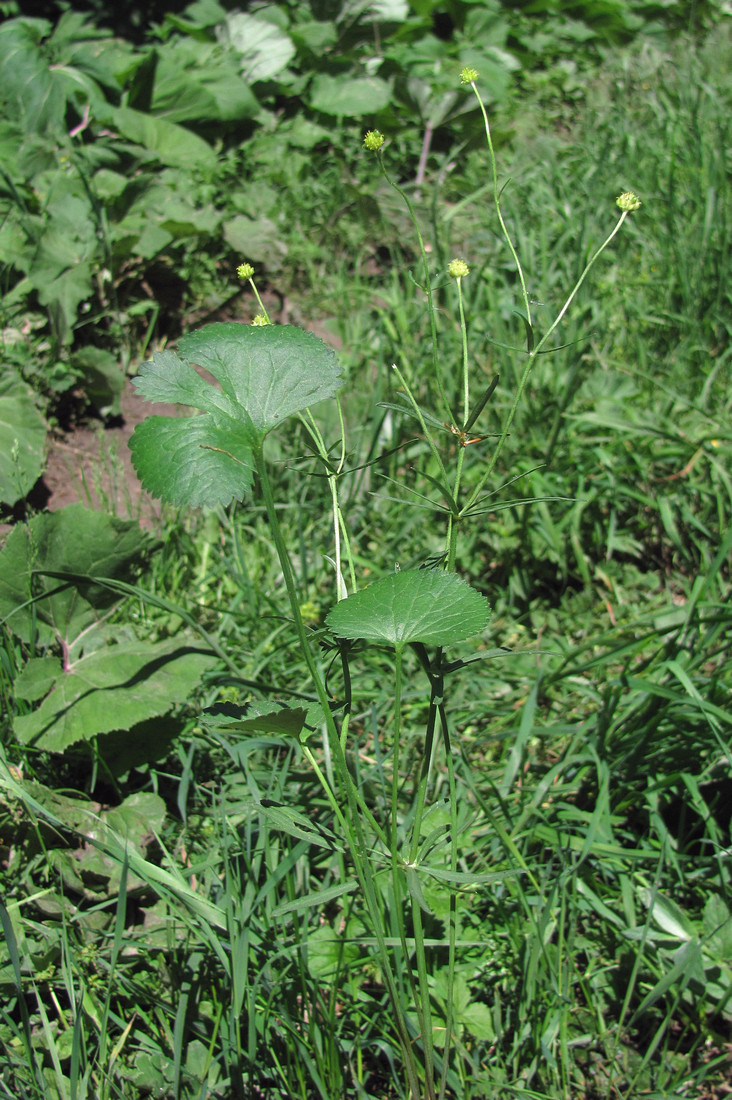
{"x":588,"y":743}
{"x":266,"y":374}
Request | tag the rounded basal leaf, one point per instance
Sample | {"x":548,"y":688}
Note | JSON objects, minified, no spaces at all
{"x":262,"y":375}
{"x":194,"y":461}
{"x":72,"y":540}
{"x":269,"y":372}
{"x":112,"y":688}
{"x":417,"y":605}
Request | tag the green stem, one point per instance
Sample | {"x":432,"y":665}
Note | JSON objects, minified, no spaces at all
{"x":464,"y":336}
{"x":530,"y":363}
{"x":452,"y":918}
{"x":355,"y":837}
{"x":418,"y":413}
{"x":421,"y":999}
{"x":261,"y":303}
{"x":497,"y":201}
{"x":427,"y":284}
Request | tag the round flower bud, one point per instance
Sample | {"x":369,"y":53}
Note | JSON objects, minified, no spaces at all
{"x":457,"y":269}
{"x":245,"y":271}
{"x":373,"y":140}
{"x":468,"y":76}
{"x":628,"y":201}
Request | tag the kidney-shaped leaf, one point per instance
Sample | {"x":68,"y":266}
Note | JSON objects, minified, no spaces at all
{"x":416,"y":605}
{"x":263,"y":374}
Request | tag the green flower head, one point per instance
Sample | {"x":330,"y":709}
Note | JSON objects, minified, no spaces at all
{"x":373,"y":140}
{"x":260,"y":321}
{"x":457,"y":269}
{"x":468,"y":76}
{"x":628,"y":202}
{"x":245,"y":271}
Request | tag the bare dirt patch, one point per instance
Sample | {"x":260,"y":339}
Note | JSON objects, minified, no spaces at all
{"x":93,"y":464}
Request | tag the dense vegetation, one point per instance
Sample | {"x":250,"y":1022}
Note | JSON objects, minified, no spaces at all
{"x":257,"y":840}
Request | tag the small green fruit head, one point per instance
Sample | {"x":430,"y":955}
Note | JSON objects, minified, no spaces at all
{"x":373,"y":140}
{"x":245,"y":271}
{"x":468,"y":76}
{"x":260,"y":320}
{"x":628,"y":202}
{"x":457,"y":269}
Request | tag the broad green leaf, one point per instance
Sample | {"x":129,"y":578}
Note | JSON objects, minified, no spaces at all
{"x":170,"y":143}
{"x":264,"y":374}
{"x":417,"y":605}
{"x":718,"y":928}
{"x":42,"y":801}
{"x":256,"y":238}
{"x":37,"y":678}
{"x":194,"y":461}
{"x":478,"y":1020}
{"x":27,"y":84}
{"x":347,"y":97}
{"x":112,"y":688}
{"x":22,"y":439}
{"x":265,"y":49}
{"x":194,"y":81}
{"x":73,"y":540}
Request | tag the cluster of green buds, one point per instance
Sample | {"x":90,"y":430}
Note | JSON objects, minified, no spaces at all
{"x":628,"y":202}
{"x":457,"y":269}
{"x":373,"y":140}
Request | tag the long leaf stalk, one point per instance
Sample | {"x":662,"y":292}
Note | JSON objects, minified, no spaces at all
{"x":354,"y":837}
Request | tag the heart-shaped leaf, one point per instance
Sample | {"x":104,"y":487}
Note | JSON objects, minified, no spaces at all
{"x":263,"y":374}
{"x":417,"y":605}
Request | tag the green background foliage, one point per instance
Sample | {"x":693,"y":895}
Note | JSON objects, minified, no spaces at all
{"x":180,"y":912}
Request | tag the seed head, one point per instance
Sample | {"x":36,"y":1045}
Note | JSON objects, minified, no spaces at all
{"x":457,"y":269}
{"x":245,"y":271}
{"x":373,"y":140}
{"x":260,"y":321}
{"x":468,"y":76}
{"x":628,"y":202}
